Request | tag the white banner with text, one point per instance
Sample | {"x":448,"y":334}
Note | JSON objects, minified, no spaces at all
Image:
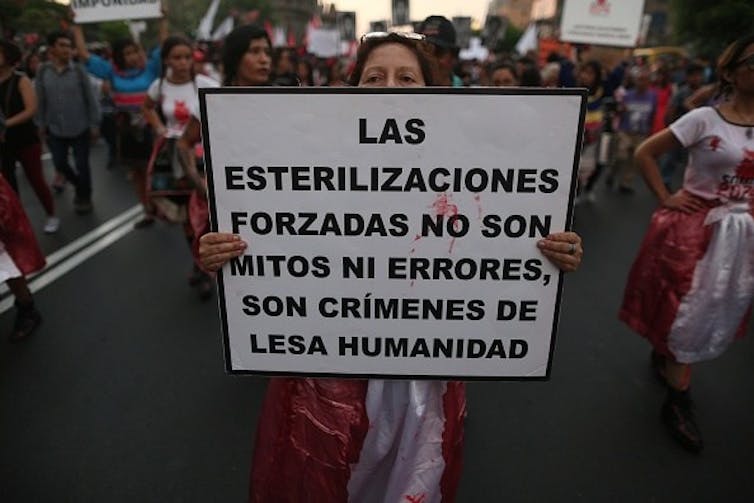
{"x":392,"y":233}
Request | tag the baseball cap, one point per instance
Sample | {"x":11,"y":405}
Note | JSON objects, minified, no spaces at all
{"x":439,"y":31}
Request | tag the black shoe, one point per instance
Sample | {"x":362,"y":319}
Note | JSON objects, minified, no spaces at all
{"x":27,"y":321}
{"x":678,"y":416}
{"x":82,"y":206}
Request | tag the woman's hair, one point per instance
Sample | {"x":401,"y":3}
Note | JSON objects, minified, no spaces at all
{"x":236,"y":45}
{"x":504,"y":65}
{"x":119,"y":49}
{"x":423,"y":54}
{"x":11,"y":52}
{"x":728,"y":62}
{"x":596,"y":68}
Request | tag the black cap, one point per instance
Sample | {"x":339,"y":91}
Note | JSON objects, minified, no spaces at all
{"x":440,"y":31}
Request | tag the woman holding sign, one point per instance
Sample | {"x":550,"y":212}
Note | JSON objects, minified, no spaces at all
{"x":338,"y":440}
{"x":691,"y":287}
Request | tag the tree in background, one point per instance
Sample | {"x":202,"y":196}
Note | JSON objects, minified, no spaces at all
{"x":711,"y":25}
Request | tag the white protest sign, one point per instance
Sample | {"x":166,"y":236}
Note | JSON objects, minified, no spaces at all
{"x":391,"y":233}
{"x":95,"y":11}
{"x":602,"y":22}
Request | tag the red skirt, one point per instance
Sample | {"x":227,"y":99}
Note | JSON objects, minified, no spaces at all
{"x":663,"y":275}
{"x":16,"y":233}
{"x":334,"y":441}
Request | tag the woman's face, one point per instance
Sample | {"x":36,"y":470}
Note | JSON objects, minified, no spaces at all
{"x":255,"y":66}
{"x":392,"y":65}
{"x":133,"y":56}
{"x":284,"y":64}
{"x":302,"y":70}
{"x":179,"y":60}
{"x":503,"y":77}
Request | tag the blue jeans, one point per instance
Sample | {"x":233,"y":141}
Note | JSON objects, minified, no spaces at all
{"x":81,"y":178}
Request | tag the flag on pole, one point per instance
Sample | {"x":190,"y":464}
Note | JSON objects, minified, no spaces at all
{"x":204,"y":31}
{"x":528,"y":41}
{"x":224,"y":29}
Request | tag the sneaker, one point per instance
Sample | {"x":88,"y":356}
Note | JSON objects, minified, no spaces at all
{"x":678,"y":416}
{"x":27,"y":321}
{"x":82,"y":206}
{"x":52,"y":225}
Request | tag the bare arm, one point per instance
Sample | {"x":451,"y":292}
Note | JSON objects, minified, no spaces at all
{"x":79,"y":42}
{"x":646,"y":157}
{"x":191,"y":136}
{"x":164,"y":28}
{"x":152,"y":117}
{"x":29,"y":98}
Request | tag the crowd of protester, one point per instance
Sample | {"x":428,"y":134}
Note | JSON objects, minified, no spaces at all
{"x":69,"y":92}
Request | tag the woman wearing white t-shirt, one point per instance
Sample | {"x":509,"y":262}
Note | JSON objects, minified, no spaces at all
{"x":168,"y":108}
{"x":691,"y":287}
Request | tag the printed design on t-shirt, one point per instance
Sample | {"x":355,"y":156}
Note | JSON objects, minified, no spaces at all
{"x":714,"y":143}
{"x":740,"y":185}
{"x":182,"y":113}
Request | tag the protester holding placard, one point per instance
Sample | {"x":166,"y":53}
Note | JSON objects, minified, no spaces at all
{"x":690,"y":289}
{"x":130,"y":74}
{"x":167,"y":109}
{"x":354,"y":440}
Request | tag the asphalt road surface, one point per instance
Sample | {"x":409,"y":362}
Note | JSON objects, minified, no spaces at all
{"x":121,"y":396}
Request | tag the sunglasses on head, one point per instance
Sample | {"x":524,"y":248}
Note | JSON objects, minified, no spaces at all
{"x":748,"y":61}
{"x":376,"y":35}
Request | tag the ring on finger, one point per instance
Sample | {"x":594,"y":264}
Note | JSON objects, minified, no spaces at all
{"x":572,"y":249}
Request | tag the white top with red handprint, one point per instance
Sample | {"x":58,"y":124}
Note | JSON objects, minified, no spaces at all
{"x":178,"y":101}
{"x":721,"y":156}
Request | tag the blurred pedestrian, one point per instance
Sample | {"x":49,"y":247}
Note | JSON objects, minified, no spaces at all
{"x":441,"y":36}
{"x":637,"y":109}
{"x":168,"y":110}
{"x":19,"y":256}
{"x":130,"y":74}
{"x":68,"y":116}
{"x":690,"y":289}
{"x":20,"y":141}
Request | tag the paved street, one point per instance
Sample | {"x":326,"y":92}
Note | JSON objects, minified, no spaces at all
{"x":121,"y":396}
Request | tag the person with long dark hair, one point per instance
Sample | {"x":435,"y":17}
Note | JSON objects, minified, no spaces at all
{"x":690,"y":289}
{"x":365,"y":440}
{"x":130,"y":74}
{"x":168,"y":110}
{"x":20,"y":140}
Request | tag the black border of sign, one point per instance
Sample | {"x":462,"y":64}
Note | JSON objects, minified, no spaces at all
{"x":203,"y":92}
